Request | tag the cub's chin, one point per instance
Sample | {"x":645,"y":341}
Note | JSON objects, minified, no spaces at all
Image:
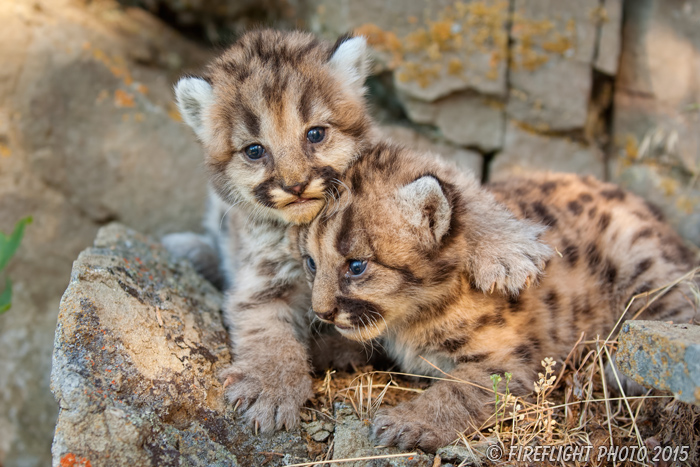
{"x":302,"y":211}
{"x":362,"y":333}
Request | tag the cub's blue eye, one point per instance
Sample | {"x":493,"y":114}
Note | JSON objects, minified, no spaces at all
{"x":316,"y":134}
{"x":357,"y":267}
{"x":254,"y":151}
{"x":310,"y":264}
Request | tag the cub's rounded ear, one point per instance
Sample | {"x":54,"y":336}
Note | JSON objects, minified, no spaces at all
{"x":349,"y":58}
{"x":194,"y":96}
{"x":425,"y":207}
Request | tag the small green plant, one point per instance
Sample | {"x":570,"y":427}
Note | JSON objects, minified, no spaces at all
{"x":8,"y":247}
{"x":501,"y":404}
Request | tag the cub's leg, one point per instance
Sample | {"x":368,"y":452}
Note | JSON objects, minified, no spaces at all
{"x":266,"y":313}
{"x":446,"y":408}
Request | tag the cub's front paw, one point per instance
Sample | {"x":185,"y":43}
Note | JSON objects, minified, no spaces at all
{"x":512,"y":265}
{"x":408,"y":426}
{"x":270,"y":398}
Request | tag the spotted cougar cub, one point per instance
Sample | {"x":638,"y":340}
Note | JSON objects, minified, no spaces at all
{"x":406,"y":257}
{"x":281,"y":116}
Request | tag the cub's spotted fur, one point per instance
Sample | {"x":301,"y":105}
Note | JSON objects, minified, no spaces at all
{"x":404,"y":259}
{"x":281,"y":116}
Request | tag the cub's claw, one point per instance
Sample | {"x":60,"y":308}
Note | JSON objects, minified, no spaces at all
{"x":229,"y":381}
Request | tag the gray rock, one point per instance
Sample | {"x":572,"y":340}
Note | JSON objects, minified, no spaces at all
{"x":318,"y":430}
{"x":138,"y":345}
{"x":663,"y":356}
{"x":553,"y":47}
{"x":525,"y":150}
{"x":553,"y":97}
{"x":75,"y":155}
{"x":472,"y":120}
{"x":465,"y":159}
{"x":610,"y":40}
{"x":465,"y":118}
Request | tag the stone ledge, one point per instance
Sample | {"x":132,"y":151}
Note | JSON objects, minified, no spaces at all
{"x":663,"y":356}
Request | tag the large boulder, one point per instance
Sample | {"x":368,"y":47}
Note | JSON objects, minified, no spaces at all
{"x":138,"y":346}
{"x":88,"y":134}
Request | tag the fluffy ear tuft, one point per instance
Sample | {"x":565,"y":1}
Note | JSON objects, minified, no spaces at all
{"x":424,"y":205}
{"x":194,"y":96}
{"x":350,"y":60}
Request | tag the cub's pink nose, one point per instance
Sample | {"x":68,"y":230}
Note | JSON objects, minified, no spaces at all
{"x":295,"y":189}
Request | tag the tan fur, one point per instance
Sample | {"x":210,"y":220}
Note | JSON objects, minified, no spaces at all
{"x":270,"y":88}
{"x":424,"y":292}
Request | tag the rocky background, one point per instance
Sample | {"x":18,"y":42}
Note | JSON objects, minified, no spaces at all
{"x":89,"y":133}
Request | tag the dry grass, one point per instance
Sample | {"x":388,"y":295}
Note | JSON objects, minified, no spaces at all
{"x":572,"y":403}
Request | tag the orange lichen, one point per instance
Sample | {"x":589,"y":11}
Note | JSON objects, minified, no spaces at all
{"x":441,"y":34}
{"x":455,"y":66}
{"x":115,"y":64}
{"x":535,"y":40}
{"x":686,"y":204}
{"x":71,"y":460}
{"x":669,"y":186}
{"x":631,"y":146}
{"x":560,"y":44}
{"x":174,"y":114}
{"x":123,"y":99}
{"x":418,"y":40}
{"x":419,"y":73}
{"x":382,"y":40}
{"x":599,"y":15}
{"x":5,"y":151}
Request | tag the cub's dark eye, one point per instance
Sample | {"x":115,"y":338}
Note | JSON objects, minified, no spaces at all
{"x":357,"y":267}
{"x":316,"y":134}
{"x":254,"y":152}
{"x":310,"y":264}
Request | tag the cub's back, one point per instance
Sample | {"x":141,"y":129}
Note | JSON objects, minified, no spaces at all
{"x":611,"y":245}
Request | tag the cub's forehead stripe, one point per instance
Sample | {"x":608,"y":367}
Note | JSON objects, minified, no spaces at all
{"x":343,"y":239}
{"x":251,"y":121}
{"x":304,"y":106}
